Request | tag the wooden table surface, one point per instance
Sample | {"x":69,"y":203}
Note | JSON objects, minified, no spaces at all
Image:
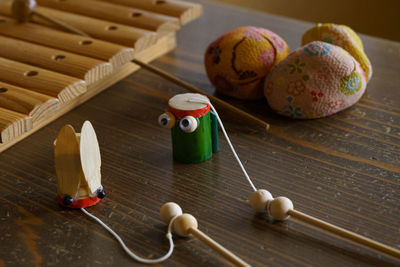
{"x":344,"y":169}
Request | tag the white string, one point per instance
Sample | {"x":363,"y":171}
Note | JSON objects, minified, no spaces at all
{"x":204,"y":101}
{"x":128,"y":251}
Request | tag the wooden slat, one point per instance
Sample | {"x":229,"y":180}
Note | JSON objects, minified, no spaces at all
{"x":65,"y":88}
{"x":13,"y":124}
{"x":30,"y":103}
{"x":185,"y":11}
{"x":116,"y":13}
{"x":84,"y":68}
{"x":97,"y":28}
{"x":117,"y":55}
{"x":137,"y":38}
{"x":163,"y":45}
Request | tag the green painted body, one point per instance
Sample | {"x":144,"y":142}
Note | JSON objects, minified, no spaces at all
{"x":199,"y":145}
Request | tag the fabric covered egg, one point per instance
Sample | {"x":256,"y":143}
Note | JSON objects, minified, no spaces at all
{"x":342,"y":36}
{"x":316,"y":80}
{"x":237,"y":62}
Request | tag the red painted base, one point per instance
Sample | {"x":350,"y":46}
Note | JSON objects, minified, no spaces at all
{"x":80,"y":203}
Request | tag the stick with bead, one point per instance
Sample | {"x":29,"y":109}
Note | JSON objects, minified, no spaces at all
{"x":185,"y":225}
{"x":22,"y":10}
{"x":281,"y":208}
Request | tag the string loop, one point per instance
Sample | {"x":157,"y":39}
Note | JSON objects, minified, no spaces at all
{"x":128,"y":251}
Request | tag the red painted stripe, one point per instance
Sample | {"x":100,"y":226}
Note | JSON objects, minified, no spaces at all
{"x":80,"y":203}
{"x":194,"y":113}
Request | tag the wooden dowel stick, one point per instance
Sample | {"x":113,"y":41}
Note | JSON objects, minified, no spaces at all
{"x":345,"y":233}
{"x":165,"y":75}
{"x":220,"y":249}
{"x":193,"y":89}
{"x":59,"y":23}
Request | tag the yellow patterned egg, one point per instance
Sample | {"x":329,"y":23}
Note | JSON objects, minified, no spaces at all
{"x":238,"y":62}
{"x":342,"y":36}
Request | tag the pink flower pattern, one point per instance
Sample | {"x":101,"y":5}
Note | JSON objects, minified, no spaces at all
{"x":267,"y":57}
{"x":296,"y":88}
{"x":253,"y":33}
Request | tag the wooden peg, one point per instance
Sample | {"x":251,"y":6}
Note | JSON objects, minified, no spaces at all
{"x":22,"y":11}
{"x":186,"y":225}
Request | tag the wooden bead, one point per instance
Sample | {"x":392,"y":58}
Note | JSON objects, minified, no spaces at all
{"x":169,"y":210}
{"x":259,"y":200}
{"x":183,"y":223}
{"x":22,"y":9}
{"x":279,"y":207}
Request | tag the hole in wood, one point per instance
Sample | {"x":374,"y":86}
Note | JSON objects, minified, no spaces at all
{"x":2,"y":21}
{"x":112,"y":28}
{"x":136,"y":14}
{"x":160,"y":2}
{"x":85,"y":42}
{"x":58,"y":57}
{"x":31,"y":73}
{"x":3,"y":90}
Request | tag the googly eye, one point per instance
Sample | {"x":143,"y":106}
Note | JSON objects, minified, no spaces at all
{"x":188,"y":124}
{"x":167,"y":120}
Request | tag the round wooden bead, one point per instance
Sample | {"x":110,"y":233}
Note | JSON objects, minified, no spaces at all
{"x":279,"y":207}
{"x":170,"y":210}
{"x":183,"y":223}
{"x":259,"y":200}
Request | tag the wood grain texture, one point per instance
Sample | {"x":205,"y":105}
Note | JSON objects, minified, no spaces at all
{"x":164,"y":44}
{"x":117,"y":55}
{"x":344,"y":169}
{"x":97,"y":28}
{"x":35,"y":105}
{"x":13,"y":124}
{"x":115,"y":13}
{"x":88,"y":69}
{"x":50,"y":83}
{"x":185,"y":11}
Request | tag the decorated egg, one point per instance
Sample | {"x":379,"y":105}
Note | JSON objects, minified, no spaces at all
{"x":342,"y":36}
{"x":316,"y":80}
{"x":238,"y":62}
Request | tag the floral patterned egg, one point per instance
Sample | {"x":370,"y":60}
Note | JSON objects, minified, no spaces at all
{"x":316,"y":80}
{"x":237,"y":62}
{"x":342,"y":36}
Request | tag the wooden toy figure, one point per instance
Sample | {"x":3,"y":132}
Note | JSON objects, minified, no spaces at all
{"x":194,"y":128}
{"x":77,"y":161}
